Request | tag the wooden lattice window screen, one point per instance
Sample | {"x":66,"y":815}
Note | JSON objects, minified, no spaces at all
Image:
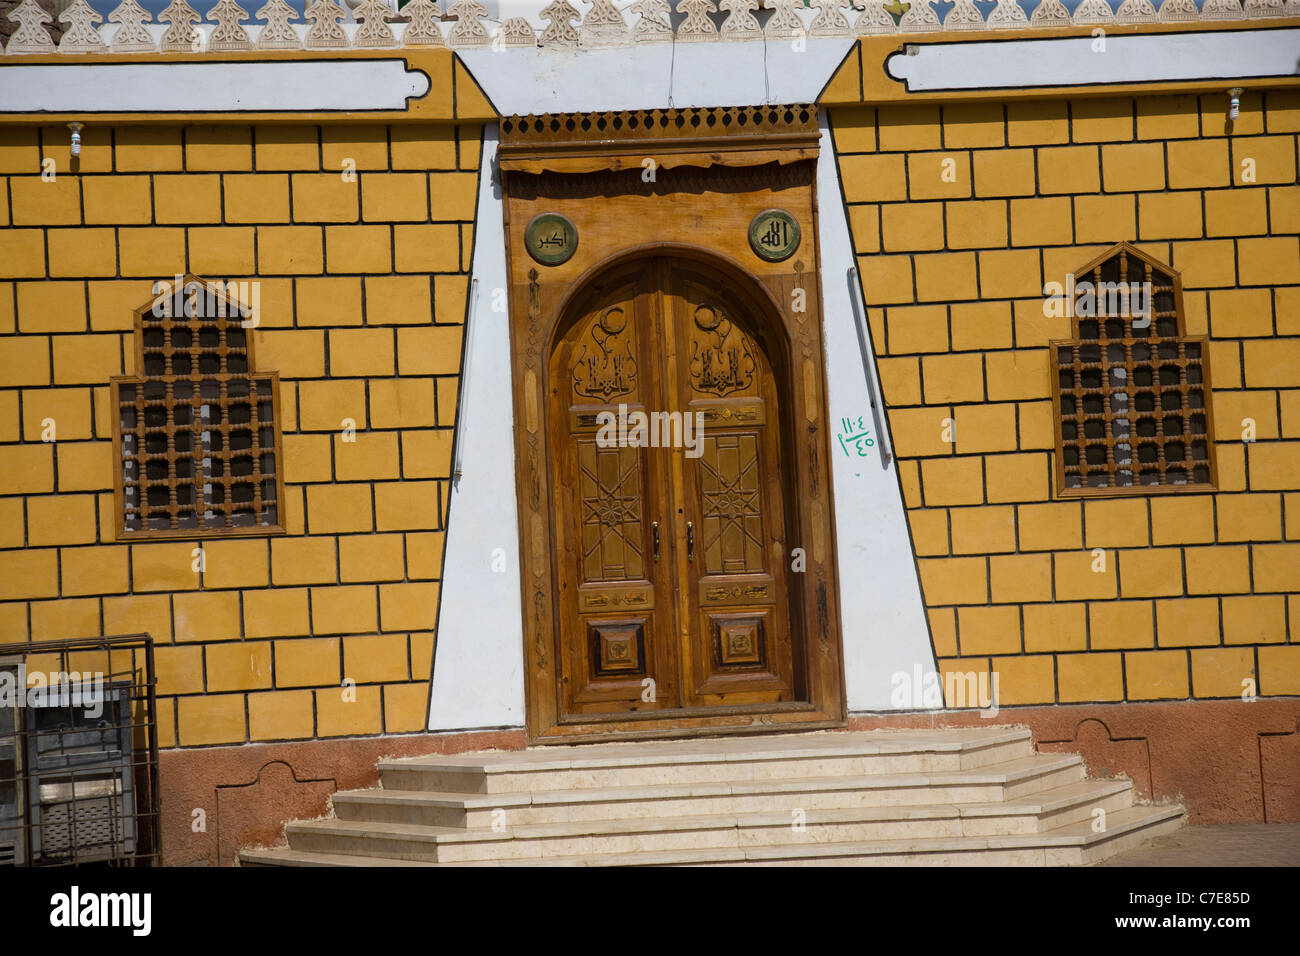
{"x":1131,"y":389}
{"x":197,"y":428}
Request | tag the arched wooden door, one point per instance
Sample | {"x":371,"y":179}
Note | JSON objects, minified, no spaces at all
{"x":672,"y":525}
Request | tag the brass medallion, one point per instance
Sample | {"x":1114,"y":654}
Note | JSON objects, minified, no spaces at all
{"x":551,"y":239}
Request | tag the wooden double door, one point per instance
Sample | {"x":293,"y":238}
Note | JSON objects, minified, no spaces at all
{"x":672,"y":506}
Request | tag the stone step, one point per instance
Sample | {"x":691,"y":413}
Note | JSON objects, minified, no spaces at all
{"x":1075,"y":844}
{"x":781,"y":757}
{"x":1009,"y":780}
{"x":1034,"y":814}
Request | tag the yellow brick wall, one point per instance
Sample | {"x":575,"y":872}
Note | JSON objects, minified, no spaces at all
{"x":1195,"y":593}
{"x":363,"y":282}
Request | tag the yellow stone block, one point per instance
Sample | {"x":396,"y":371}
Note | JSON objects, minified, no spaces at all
{"x":139,"y":613}
{"x":423,"y":146}
{"x":287,"y":147}
{"x":1263,"y":159}
{"x":365,"y":146}
{"x":929,"y":529}
{"x":943,"y":631}
{"x":179,"y":670}
{"x":1037,"y":425}
{"x":242,"y":563}
{"x":912,"y":226}
{"x":151,"y":252}
{"x":329,"y":302}
{"x":426,"y":454}
{"x":1156,"y":675}
{"x":1023,"y":477}
{"x":238,"y":665}
{"x":873,"y":178}
{"x":1269,"y":261}
{"x":1010,"y":273}
{"x":908,"y":127}
{"x":952,"y":481}
{"x":1241,"y":313}
{"x":1116,"y":523}
{"x":973,"y":124}
{"x":1256,"y":619}
{"x":294,"y":353}
{"x":1182,"y":519}
{"x":900,"y":380}
{"x":1041,"y":222}
{"x":1003,"y":172}
{"x":975,"y":224}
{"x":885,"y":279}
{"x":307,"y":458}
{"x":1150,"y":572}
{"x":359,"y":713}
{"x":1284,"y":205}
{"x":427,"y":248}
{"x":303,"y":561}
{"x":1235,"y":212}
{"x":326,"y":405}
{"x":290,"y":250}
{"x":1169,"y":215}
{"x":967,"y":682}
{"x":1105,"y":218}
{"x":1080,"y":577}
{"x":954,"y":580}
{"x":147,"y":148}
{"x":358,"y":249}
{"x":51,"y":306}
{"x":1217,"y":569}
{"x":371,"y":557}
{"x":344,"y":610}
{"x":1183,"y":622}
{"x":281,"y":715}
{"x":854,"y":130}
{"x":1232,"y":468}
{"x":40,"y":202}
{"x":1290,"y":402}
{"x":276,"y":612}
{"x":164,"y":567}
{"x":339,"y":508}
{"x":86,"y":359}
{"x":1271,"y":364}
{"x":979,"y":428}
{"x":1206,"y":264}
{"x":452,"y":196}
{"x":394,"y":197}
{"x":13,"y":529}
{"x":1089,"y":677}
{"x":375,"y":658}
{"x":29,"y":469}
{"x":1037,"y":122}
{"x":1198,"y":163}
{"x":324,"y":197}
{"x":65,"y":619}
{"x":921,"y":328}
{"x":23,"y":252}
{"x":405,"y":403}
{"x":1273,"y":466}
{"x":988,"y":630}
{"x":406,"y":707}
{"x":1276,"y":567}
{"x":1115,"y":625}
{"x":864,"y":227}
{"x":307,"y":662}
{"x":361,"y":352}
{"x":1017,"y":578}
{"x":373,"y":455}
{"x":909,"y":476}
{"x":206,"y":616}
{"x":61,"y":520}
{"x":407,"y":505}
{"x":447,"y":389}
{"x":984,"y":529}
{"x":1068,"y":169}
{"x":953,"y":378}
{"x":20,"y":150}
{"x":1279,"y":670}
{"x":1168,"y":117}
{"x":257,"y":198}
{"x":424,"y":555}
{"x":399,"y":300}
{"x":1133,"y":167}
{"x":945,"y":276}
{"x":1024,"y":680}
{"x":1052,"y":526}
{"x":222,"y":251}
{"x":82,"y":251}
{"x":210,"y":719}
{"x":186,"y":198}
{"x":939,"y":175}
{"x":59,"y":414}
{"x":1249,"y":517}
{"x":1223,"y":672}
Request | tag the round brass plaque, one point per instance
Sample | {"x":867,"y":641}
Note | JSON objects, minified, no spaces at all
{"x":551,"y":239}
{"x":774,"y":235}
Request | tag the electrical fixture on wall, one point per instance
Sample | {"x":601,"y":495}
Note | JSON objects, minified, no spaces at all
{"x":76,"y":139}
{"x":1234,"y":102}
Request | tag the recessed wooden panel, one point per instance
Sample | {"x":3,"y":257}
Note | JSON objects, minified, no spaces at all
{"x":617,"y":648}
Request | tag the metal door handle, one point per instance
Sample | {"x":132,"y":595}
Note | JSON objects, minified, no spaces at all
{"x":654,"y":528}
{"x":690,"y":541}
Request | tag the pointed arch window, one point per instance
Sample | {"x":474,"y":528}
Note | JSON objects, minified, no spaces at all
{"x":197,"y":430}
{"x":1131,"y":389}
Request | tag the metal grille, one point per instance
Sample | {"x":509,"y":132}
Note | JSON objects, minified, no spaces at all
{"x":1131,"y":388}
{"x":197,"y":429}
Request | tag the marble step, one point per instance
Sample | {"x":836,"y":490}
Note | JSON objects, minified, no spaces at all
{"x":1039,"y":813}
{"x":1075,"y":844}
{"x":782,"y":757}
{"x":1004,"y":781}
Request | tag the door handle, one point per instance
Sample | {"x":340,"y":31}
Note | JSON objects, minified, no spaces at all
{"x":690,"y":541}
{"x":654,"y":528}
